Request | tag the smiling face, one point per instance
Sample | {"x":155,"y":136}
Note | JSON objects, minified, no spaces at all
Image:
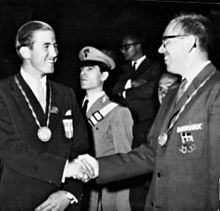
{"x":42,"y":54}
{"x":174,"y":48}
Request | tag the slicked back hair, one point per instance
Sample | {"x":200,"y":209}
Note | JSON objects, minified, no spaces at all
{"x":24,"y":35}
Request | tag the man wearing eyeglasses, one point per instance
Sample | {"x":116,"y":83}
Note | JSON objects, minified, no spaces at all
{"x":137,"y":89}
{"x":184,"y":148}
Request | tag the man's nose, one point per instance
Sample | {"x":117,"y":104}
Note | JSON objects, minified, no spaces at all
{"x":53,"y":51}
{"x":83,"y":71}
{"x":161,"y":49}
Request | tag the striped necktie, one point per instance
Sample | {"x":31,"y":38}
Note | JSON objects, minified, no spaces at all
{"x":181,"y":89}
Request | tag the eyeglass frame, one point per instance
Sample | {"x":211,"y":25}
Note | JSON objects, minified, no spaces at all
{"x":164,"y":38}
{"x":126,"y":46}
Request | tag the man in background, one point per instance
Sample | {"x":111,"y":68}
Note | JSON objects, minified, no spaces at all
{"x":167,"y":81}
{"x":136,"y":88}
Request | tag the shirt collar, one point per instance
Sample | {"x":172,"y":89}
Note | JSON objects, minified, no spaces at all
{"x":33,"y":82}
{"x":138,"y":61}
{"x":93,"y":98}
{"x":192,"y":74}
{"x":190,"y":77}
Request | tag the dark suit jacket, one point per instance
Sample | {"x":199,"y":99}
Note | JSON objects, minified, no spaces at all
{"x":142,"y":100}
{"x":32,"y":169}
{"x":187,"y":169}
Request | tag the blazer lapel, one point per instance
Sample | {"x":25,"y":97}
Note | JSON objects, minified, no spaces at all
{"x":55,"y":109}
{"x":32,"y":99}
{"x":206,"y":72}
{"x":165,"y":114}
{"x":145,"y":64}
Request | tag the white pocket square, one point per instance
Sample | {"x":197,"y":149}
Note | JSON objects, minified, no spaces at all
{"x":68,"y":113}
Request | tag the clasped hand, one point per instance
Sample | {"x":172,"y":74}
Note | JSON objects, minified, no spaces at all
{"x":83,"y":168}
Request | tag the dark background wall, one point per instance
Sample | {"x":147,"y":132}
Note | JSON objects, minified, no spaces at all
{"x":99,"y":23}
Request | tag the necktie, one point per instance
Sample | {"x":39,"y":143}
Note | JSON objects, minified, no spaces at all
{"x":181,"y":89}
{"x":134,"y":66}
{"x":41,"y":96}
{"x":85,"y":105}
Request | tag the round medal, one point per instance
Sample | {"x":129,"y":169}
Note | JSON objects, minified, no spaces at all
{"x":162,"y":139}
{"x":44,"y":134}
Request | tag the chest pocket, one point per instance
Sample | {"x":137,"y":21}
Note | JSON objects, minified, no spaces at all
{"x":102,"y":127}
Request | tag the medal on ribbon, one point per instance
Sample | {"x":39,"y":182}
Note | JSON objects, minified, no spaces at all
{"x":43,"y":133}
{"x":162,"y":139}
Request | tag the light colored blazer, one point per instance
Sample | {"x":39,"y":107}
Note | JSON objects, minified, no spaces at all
{"x":187,"y":168}
{"x":112,"y":135}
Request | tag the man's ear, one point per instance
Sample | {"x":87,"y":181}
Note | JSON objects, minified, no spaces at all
{"x":105,"y":75}
{"x":24,"y":52}
{"x":192,"y":43}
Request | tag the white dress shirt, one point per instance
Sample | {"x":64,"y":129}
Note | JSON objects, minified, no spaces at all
{"x":192,"y":74}
{"x":33,"y":83}
{"x":137,"y":64}
{"x":92,"y":98}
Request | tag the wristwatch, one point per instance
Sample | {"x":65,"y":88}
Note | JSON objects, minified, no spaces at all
{"x":71,"y":197}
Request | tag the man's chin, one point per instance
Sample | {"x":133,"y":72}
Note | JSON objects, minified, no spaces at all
{"x":50,"y":71}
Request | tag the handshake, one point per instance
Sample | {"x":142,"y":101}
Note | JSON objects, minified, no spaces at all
{"x":83,"y":168}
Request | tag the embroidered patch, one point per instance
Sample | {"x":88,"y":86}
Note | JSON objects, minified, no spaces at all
{"x":68,"y":128}
{"x":188,"y":143}
{"x":191,"y":127}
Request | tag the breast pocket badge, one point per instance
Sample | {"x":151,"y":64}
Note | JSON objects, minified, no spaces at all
{"x":68,"y":124}
{"x":188,"y":144}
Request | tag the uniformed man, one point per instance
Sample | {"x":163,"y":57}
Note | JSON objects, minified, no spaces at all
{"x":111,"y":127}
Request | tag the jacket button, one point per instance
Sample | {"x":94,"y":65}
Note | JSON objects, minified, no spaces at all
{"x":159,"y":174}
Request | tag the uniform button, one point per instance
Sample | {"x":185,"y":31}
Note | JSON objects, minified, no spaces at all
{"x":35,"y":167}
{"x":52,"y":182}
{"x":159,"y":174}
{"x":152,"y":204}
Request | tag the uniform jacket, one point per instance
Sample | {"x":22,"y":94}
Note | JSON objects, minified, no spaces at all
{"x":32,"y":169}
{"x":142,"y":100}
{"x":112,"y":135}
{"x":187,"y":168}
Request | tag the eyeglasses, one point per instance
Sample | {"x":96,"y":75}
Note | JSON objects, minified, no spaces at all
{"x":165,"y":38}
{"x":127,"y":46}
